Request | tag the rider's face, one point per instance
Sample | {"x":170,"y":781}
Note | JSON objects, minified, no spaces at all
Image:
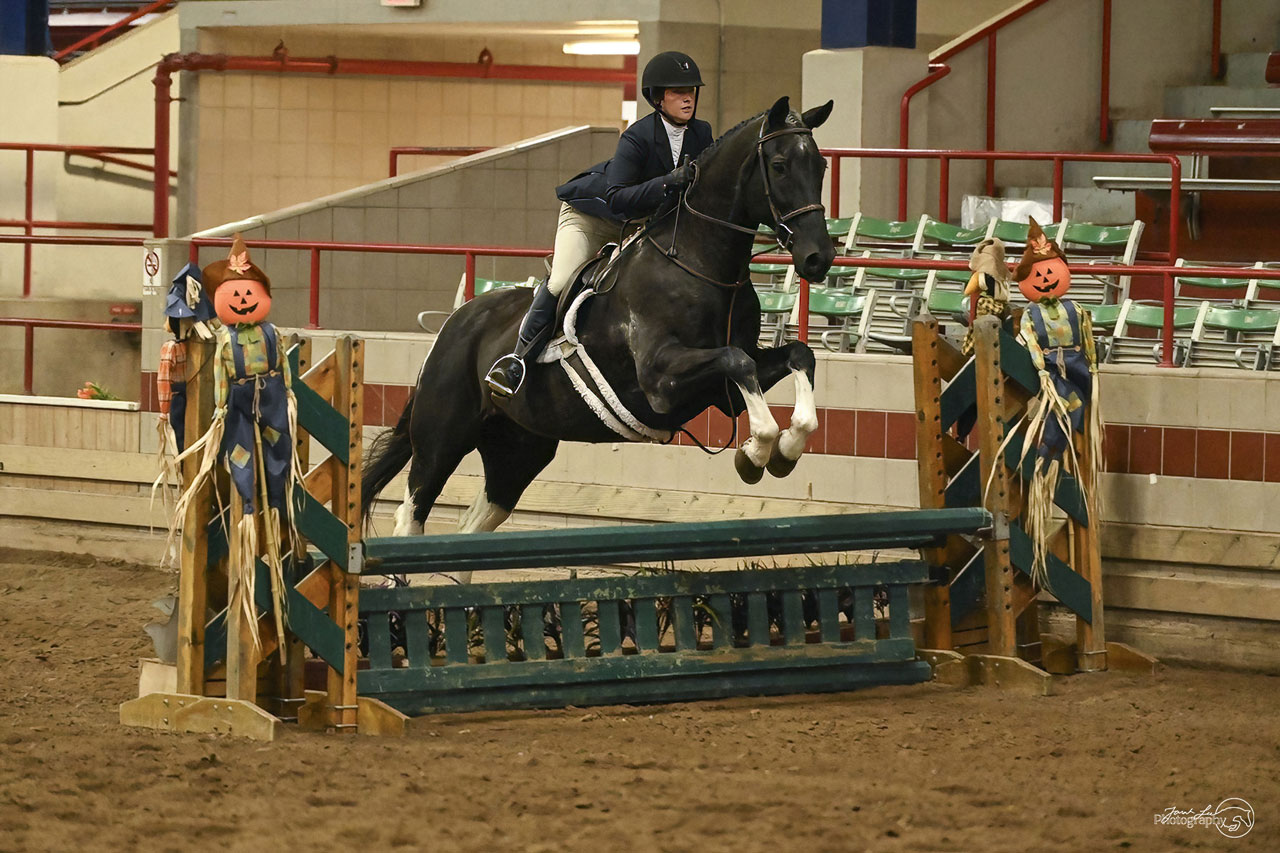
{"x":678,"y":103}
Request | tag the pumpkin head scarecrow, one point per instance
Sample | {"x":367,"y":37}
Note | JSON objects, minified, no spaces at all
{"x":253,"y":422}
{"x":1058,"y":334}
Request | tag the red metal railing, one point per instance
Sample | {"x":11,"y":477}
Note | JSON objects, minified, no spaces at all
{"x":91,"y":41}
{"x":467,"y":253}
{"x":938,"y":68}
{"x":30,"y":324}
{"x":1166,"y":271}
{"x":945,"y":156}
{"x":280,"y":62}
{"x":29,"y":223}
{"x":430,"y":151}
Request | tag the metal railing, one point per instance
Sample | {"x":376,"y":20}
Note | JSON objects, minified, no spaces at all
{"x":429,"y":151}
{"x":1165,"y":271}
{"x":938,"y":68}
{"x":29,"y":223}
{"x":315,"y":247}
{"x":92,"y":40}
{"x":1058,"y":158}
{"x":30,"y":324}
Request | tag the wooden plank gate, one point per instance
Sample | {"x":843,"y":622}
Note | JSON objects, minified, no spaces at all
{"x":651,"y":637}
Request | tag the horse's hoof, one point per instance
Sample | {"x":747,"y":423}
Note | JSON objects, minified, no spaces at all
{"x":781,"y":466}
{"x":747,"y":469}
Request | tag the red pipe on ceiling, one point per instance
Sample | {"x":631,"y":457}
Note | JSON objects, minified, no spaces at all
{"x":281,"y":63}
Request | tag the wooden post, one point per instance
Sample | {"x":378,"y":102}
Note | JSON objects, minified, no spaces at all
{"x":344,"y":605}
{"x":992,"y":424}
{"x":193,"y":577}
{"x":927,"y":374}
{"x":1091,"y":641}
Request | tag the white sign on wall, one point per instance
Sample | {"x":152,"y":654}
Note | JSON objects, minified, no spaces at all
{"x":152,"y":264}
{"x":401,"y":2}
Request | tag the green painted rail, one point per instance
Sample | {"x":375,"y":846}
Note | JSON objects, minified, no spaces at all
{"x":661,"y":637}
{"x":649,"y":542}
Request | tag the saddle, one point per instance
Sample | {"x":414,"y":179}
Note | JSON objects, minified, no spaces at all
{"x":596,"y":273}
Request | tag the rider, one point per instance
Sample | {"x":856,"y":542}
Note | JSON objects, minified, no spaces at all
{"x":652,"y":160}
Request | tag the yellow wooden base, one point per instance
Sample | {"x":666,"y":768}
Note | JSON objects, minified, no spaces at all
{"x":373,"y":716}
{"x":181,"y":712}
{"x":995,"y":671}
{"x":1123,"y":658}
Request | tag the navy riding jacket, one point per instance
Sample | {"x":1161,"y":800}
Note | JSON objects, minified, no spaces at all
{"x":632,"y":185}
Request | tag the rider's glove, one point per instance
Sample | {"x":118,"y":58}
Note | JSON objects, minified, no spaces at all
{"x":680,"y":177}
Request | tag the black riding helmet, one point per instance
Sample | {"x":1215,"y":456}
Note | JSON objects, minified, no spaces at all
{"x":668,"y":70}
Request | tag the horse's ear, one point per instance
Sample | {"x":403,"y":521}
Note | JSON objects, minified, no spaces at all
{"x":778,"y":113}
{"x":816,"y":116}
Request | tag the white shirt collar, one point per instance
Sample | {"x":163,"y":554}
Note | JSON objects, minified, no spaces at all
{"x":675,"y":136}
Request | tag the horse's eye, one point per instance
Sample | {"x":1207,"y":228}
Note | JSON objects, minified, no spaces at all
{"x":780,"y":168}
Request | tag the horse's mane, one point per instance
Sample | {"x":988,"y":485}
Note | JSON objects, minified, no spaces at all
{"x":710,"y":149}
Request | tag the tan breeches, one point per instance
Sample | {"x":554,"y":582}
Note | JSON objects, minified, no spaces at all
{"x":579,"y":236}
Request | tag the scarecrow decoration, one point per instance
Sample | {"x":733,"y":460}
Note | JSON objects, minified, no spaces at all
{"x":990,"y":282}
{"x":254,"y":422}
{"x":187,"y":310}
{"x":1059,"y":336}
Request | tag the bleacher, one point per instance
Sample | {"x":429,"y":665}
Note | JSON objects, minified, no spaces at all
{"x":1218,"y":321}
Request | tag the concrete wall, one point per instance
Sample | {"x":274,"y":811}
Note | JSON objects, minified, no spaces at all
{"x":503,"y":197}
{"x":106,"y":97}
{"x":28,"y":113}
{"x":866,"y":85}
{"x":259,"y":142}
{"x":1250,"y":26}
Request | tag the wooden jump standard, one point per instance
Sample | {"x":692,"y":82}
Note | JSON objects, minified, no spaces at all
{"x":981,"y":601}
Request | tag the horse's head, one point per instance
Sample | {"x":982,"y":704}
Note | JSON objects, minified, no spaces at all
{"x":791,"y":199}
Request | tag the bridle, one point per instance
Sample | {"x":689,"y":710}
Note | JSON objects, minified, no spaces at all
{"x":783,"y":233}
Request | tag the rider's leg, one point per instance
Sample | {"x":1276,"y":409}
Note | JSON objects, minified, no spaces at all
{"x":579,"y":236}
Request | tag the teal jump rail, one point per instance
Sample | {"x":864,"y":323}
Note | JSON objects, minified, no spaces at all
{"x":676,"y":541}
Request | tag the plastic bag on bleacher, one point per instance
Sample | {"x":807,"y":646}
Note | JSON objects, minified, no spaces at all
{"x":978,"y":210}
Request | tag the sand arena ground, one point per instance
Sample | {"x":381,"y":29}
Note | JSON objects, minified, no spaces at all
{"x":917,"y":768}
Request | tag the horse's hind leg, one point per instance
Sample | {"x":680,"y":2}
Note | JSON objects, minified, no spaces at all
{"x":512,"y":457}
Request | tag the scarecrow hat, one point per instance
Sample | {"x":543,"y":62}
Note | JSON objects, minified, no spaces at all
{"x":988,"y":258}
{"x":187,"y":301}
{"x":1039,"y":248}
{"x":237,"y":267}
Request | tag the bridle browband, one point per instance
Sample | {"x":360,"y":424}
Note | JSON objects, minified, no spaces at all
{"x":783,"y":233}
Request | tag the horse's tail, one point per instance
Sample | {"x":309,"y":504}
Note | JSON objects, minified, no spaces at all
{"x":386,"y":458}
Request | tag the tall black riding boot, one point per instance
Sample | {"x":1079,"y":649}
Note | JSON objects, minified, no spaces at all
{"x":507,"y":374}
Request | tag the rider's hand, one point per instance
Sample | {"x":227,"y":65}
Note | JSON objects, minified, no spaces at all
{"x":681,"y":176}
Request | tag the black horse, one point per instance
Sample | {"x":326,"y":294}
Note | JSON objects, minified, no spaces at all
{"x":676,"y":334}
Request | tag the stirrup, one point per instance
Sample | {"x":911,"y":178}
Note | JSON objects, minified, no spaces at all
{"x":506,"y":376}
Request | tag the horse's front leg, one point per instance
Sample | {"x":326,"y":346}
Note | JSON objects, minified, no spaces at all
{"x":673,"y":368}
{"x":773,"y":364}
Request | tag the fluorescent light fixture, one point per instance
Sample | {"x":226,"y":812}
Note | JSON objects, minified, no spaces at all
{"x":598,"y":47}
